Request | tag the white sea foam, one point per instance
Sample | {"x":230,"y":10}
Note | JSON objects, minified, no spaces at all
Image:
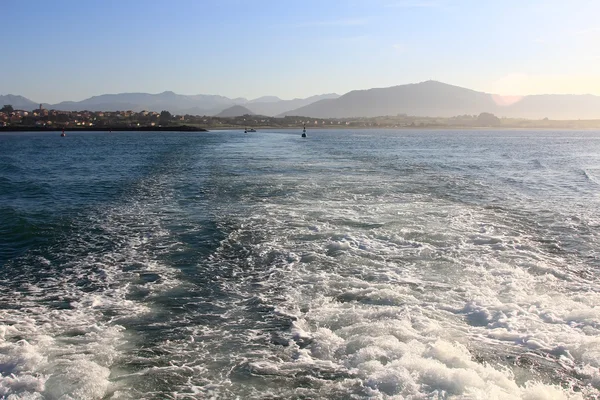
{"x":351,"y":280}
{"x":417,"y":299}
{"x":68,"y":352}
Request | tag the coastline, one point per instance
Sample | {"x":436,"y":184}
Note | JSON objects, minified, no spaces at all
{"x":187,"y":128}
{"x":180,"y":128}
{"x":408,"y":128}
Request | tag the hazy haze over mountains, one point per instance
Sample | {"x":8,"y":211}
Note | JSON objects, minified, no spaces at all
{"x":430,"y":98}
{"x":436,"y":99}
{"x":200,"y":104}
{"x":273,"y":108}
{"x":175,"y":103}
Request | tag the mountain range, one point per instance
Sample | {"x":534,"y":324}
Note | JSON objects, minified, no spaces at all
{"x":436,"y":99}
{"x":430,"y":98}
{"x":200,"y":104}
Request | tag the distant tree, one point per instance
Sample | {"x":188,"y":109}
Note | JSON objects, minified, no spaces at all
{"x":62,"y":118}
{"x":28,"y":120}
{"x":165,"y":117}
{"x":488,"y":119}
{"x":7,"y":108}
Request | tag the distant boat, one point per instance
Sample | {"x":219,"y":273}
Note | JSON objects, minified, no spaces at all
{"x":249,"y":130}
{"x":63,"y":134}
{"x":304,"y":131}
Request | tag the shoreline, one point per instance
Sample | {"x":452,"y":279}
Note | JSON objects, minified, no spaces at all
{"x":187,"y":128}
{"x":180,"y":128}
{"x":412,"y":128}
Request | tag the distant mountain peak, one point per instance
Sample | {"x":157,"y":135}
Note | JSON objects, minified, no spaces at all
{"x":265,"y":99}
{"x":235,"y":111}
{"x":437,"y":84}
{"x":18,"y":102}
{"x":14,"y":96}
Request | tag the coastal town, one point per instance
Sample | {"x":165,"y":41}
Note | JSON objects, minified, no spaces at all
{"x":41,"y":118}
{"x":49,"y":119}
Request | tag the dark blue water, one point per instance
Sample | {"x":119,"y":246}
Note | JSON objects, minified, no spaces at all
{"x":350,"y":264}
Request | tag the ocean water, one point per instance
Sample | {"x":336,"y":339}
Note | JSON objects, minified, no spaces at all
{"x":358,"y":264}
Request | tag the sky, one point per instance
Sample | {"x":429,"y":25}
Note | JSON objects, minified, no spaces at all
{"x":73,"y":49}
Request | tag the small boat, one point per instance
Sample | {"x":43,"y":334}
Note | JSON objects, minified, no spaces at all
{"x":304,"y":131}
{"x":250,"y":130}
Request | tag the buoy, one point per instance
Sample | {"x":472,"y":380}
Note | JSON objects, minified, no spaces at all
{"x":304,"y":131}
{"x":63,"y":134}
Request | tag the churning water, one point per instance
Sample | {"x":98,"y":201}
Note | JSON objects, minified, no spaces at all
{"x":351,"y":264}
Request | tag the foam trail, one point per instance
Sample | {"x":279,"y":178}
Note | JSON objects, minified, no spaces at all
{"x":60,"y":333}
{"x":361,"y":265}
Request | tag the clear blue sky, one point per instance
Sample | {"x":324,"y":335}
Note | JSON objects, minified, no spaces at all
{"x":70,"y":50}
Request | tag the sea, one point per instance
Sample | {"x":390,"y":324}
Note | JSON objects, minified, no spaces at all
{"x":351,"y":264}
